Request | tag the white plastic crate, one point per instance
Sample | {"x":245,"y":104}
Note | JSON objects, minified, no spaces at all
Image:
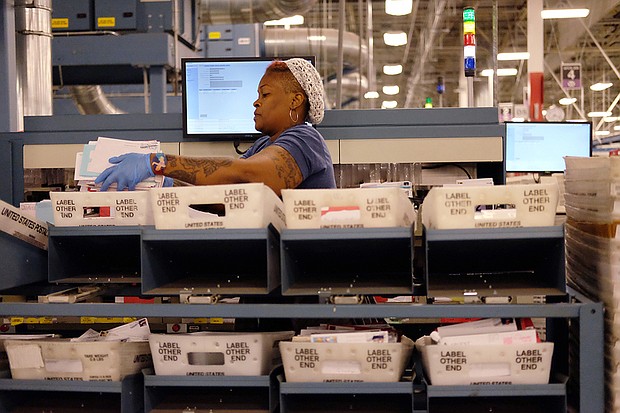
{"x":217,"y":206}
{"x":72,"y":209}
{"x":61,"y":359}
{"x":345,"y":362}
{"x":348,"y":208}
{"x":21,"y":225}
{"x":474,"y":207}
{"x":485,"y":364}
{"x":594,"y":168}
{"x":216,"y":353}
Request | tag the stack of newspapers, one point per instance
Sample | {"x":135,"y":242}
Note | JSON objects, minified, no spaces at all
{"x":94,"y":159}
{"x":592,"y":204}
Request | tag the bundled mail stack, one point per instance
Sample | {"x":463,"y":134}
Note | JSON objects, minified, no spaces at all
{"x":94,"y":159}
{"x":593,"y":250}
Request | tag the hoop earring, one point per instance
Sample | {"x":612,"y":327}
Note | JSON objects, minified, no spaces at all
{"x":290,"y":115}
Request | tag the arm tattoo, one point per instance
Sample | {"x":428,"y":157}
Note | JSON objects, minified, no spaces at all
{"x":286,"y":168}
{"x":188,"y":169}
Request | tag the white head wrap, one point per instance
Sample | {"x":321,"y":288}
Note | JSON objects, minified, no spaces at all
{"x":311,"y":83}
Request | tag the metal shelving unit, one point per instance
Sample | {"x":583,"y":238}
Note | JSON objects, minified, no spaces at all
{"x":589,"y":316}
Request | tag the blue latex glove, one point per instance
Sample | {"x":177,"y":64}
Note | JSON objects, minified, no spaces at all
{"x":130,"y":169}
{"x":168,"y":182}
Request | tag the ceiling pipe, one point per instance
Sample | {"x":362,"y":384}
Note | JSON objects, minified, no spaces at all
{"x":90,"y":100}
{"x":309,"y":41}
{"x":251,"y":11}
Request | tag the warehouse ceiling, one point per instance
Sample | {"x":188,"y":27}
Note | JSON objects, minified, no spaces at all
{"x":435,"y":44}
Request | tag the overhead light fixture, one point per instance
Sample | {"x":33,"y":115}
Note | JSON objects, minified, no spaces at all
{"x":617,"y":127}
{"x":601,"y":133}
{"x":389,"y":104}
{"x":599,"y":114}
{"x":395,"y":38}
{"x":513,"y":56}
{"x":500,"y":72}
{"x":564,"y":13}
{"x":398,"y":7}
{"x":371,"y":95}
{"x":610,"y":119}
{"x":392,"y":69}
{"x":391,"y":90}
{"x":287,"y":22}
{"x":567,"y":101}
{"x":600,"y":86}
{"x":318,"y":38}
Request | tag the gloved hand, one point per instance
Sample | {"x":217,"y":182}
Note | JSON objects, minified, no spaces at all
{"x":168,"y":182}
{"x":130,"y":169}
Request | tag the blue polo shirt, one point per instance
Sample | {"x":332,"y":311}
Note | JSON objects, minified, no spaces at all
{"x":308,"y":148}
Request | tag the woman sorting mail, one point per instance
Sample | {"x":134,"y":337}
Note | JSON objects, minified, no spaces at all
{"x":291,"y":154}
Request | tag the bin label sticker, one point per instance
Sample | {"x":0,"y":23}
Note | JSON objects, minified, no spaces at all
{"x":60,"y":23}
{"x":106,"y":22}
{"x":25,"y":356}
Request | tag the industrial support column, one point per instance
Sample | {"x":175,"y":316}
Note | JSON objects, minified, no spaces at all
{"x":157,"y":86}
{"x":535,"y":45}
{"x":10,"y":113}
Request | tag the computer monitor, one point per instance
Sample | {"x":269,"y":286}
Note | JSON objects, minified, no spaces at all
{"x":218,"y":96}
{"x":540,"y":147}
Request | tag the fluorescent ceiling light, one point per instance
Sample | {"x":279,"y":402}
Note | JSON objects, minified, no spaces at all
{"x":567,"y":101}
{"x":610,"y":119}
{"x":600,"y":86}
{"x":513,"y":56}
{"x":599,"y":114}
{"x":500,"y":72}
{"x":317,"y":38}
{"x":601,"y":133}
{"x":371,"y":95}
{"x":286,"y":21}
{"x":395,"y":38}
{"x":564,"y":13}
{"x":617,"y":127}
{"x":398,"y":7}
{"x":389,"y":104}
{"x":392,"y":69}
{"x":391,"y":90}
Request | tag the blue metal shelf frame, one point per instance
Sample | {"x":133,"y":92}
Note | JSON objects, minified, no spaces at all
{"x":129,"y":390}
{"x":155,"y":386}
{"x":362,"y":261}
{"x":167,"y":127}
{"x":589,"y":315}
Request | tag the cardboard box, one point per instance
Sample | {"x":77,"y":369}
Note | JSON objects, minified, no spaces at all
{"x":477,"y":207}
{"x":347,"y":208}
{"x":485,"y":364}
{"x":216,"y":353}
{"x":72,"y":209}
{"x":345,"y":362}
{"x":217,"y":206}
{"x":61,"y":359}
{"x":23,"y":226}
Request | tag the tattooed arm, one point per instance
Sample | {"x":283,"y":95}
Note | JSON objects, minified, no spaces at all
{"x":273,"y":166}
